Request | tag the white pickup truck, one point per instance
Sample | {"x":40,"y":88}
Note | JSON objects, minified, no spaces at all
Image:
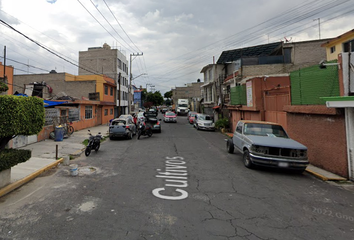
{"x":267,"y":144}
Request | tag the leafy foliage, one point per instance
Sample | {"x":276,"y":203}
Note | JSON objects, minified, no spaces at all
{"x":3,"y":87}
{"x":168,"y":94}
{"x":12,"y":157}
{"x":156,"y":98}
{"x":222,"y":123}
{"x":21,"y":115}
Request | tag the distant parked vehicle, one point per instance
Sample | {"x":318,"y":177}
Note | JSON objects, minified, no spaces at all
{"x":204,"y":122}
{"x":267,"y":144}
{"x":191,"y":116}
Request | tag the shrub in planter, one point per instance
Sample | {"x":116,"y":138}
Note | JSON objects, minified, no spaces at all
{"x":222,"y":123}
{"x":19,"y":116}
{"x":12,"y":157}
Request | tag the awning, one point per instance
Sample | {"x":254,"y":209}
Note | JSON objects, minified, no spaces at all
{"x":339,"y":102}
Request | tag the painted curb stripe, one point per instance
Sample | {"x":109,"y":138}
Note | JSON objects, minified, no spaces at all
{"x":19,"y":183}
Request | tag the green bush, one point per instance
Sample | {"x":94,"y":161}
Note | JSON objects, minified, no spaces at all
{"x":12,"y":157}
{"x":21,"y":115}
{"x":222,"y":123}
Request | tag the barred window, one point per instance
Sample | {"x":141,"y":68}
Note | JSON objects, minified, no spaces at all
{"x":111,"y":111}
{"x":88,"y":112}
{"x":74,"y":114}
{"x":106,"y":112}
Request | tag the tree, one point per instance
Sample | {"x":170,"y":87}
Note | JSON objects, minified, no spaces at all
{"x":19,"y":116}
{"x":168,"y":94}
{"x":156,"y":98}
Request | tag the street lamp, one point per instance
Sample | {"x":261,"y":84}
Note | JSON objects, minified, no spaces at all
{"x":131,"y":78}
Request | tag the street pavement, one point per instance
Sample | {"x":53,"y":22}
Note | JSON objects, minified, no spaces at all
{"x":48,"y":154}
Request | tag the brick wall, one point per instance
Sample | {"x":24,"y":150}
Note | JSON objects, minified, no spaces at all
{"x":325,"y":137}
{"x":57,"y":82}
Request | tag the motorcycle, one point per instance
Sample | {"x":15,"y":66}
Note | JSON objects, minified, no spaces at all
{"x":144,"y":129}
{"x":93,"y":143}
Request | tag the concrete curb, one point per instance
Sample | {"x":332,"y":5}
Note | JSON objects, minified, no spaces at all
{"x":9,"y":188}
{"x":324,"y":178}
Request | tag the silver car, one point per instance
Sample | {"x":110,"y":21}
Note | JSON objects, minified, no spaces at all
{"x":122,"y":127}
{"x":203,"y":121}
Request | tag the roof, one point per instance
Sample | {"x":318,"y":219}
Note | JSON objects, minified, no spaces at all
{"x":333,"y":40}
{"x":260,"y":50}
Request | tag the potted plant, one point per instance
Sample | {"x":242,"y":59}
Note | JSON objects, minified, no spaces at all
{"x":222,"y":124}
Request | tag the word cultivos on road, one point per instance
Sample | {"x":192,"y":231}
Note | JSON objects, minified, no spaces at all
{"x":175,"y":176}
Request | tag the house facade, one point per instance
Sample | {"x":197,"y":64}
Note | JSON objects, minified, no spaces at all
{"x":6,"y":75}
{"x":295,"y":99}
{"x":112,"y":63}
{"x":85,"y":101}
{"x":192,"y":92}
{"x":213,"y":77}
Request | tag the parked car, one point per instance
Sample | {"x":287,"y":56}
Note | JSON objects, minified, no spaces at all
{"x":267,"y":144}
{"x":204,"y":121}
{"x":191,"y":116}
{"x":122,"y":127}
{"x":126,"y":116}
{"x":152,"y":112}
{"x":170,"y":117}
{"x":164,"y":110}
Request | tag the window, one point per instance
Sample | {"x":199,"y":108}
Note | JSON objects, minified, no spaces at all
{"x":119,"y":64}
{"x":106,"y":112}
{"x":88,"y":112}
{"x":111,"y":91}
{"x":111,"y":111}
{"x":105,"y":90}
{"x":348,"y":46}
{"x":333,"y":49}
{"x":239,"y":128}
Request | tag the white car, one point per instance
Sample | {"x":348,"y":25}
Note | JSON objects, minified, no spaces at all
{"x":203,"y":121}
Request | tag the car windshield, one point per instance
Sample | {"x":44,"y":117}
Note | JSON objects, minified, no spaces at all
{"x":141,"y":114}
{"x":264,"y":130}
{"x":119,"y":122}
{"x":204,"y":117}
{"x":182,"y":105}
{"x":170,"y":114}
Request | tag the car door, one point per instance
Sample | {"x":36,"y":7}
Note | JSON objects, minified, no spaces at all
{"x":238,"y":136}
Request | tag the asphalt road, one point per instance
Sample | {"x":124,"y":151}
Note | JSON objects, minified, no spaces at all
{"x":178,"y":184}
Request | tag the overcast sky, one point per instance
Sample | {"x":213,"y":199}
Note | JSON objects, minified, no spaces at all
{"x":177,"y":38}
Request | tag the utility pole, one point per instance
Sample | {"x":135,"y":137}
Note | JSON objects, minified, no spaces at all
{"x":131,"y":78}
{"x":119,"y":97}
{"x":319,"y":27}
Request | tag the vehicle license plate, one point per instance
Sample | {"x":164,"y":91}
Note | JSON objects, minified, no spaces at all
{"x":283,"y":164}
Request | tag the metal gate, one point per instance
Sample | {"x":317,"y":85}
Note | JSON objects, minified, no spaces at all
{"x":273,"y":106}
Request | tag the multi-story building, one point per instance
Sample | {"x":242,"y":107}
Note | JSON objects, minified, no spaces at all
{"x":112,"y":63}
{"x":192,"y":92}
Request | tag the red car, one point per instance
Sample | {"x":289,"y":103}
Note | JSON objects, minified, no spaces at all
{"x":191,"y":117}
{"x":170,"y":117}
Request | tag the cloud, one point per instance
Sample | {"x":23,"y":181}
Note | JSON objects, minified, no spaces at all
{"x":51,"y":1}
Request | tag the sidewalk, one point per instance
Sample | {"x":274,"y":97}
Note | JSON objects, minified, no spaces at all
{"x":44,"y":156}
{"x":44,"y":153}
